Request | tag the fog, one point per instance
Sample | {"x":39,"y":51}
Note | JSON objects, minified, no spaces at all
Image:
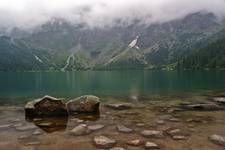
{"x":28,"y":14}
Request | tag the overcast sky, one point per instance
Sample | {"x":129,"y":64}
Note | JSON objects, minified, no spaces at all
{"x":98,"y":13}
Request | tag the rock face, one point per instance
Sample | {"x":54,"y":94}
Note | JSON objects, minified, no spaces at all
{"x":201,"y":106}
{"x":83,"y":104}
{"x":121,"y":106}
{"x":217,"y":139}
{"x":104,"y":142}
{"x":46,"y":106}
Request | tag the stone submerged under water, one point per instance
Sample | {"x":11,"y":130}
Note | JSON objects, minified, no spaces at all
{"x":45,"y":107}
{"x":217,"y":139}
{"x":81,"y":129}
{"x":83,"y":104}
{"x":209,"y":106}
{"x":120,"y":106}
{"x":104,"y":142}
{"x":152,"y":134}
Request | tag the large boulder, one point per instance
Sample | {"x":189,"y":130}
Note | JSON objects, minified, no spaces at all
{"x":83,"y":104}
{"x":46,"y":107}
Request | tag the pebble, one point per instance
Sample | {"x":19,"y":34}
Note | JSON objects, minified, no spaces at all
{"x":136,"y":142}
{"x":151,"y":145}
{"x":118,"y":148}
{"x":96,"y":127}
{"x":104,"y":142}
{"x":26,"y":127}
{"x":152,"y":133}
{"x":81,"y":129}
{"x":217,"y":139}
{"x":5,"y":126}
{"x":123,"y":129}
{"x":179,"y":137}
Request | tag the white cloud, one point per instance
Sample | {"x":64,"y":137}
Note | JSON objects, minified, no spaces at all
{"x":98,"y":13}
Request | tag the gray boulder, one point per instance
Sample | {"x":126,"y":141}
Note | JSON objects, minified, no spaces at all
{"x":46,"y":106}
{"x":83,"y":104}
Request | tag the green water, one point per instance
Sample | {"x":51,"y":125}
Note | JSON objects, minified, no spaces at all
{"x":109,"y":83}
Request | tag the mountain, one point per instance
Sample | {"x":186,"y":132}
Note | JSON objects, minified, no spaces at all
{"x":208,"y":54}
{"x":18,"y":55}
{"x":61,"y":45}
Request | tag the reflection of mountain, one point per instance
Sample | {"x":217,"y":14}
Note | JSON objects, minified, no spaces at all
{"x":60,"y":45}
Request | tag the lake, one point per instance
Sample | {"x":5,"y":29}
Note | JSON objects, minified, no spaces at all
{"x":107,"y":83}
{"x":154,"y":98}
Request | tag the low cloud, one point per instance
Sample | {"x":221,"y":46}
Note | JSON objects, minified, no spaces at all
{"x":28,"y":14}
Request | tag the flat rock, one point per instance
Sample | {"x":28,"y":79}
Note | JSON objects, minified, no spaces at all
{"x":160,"y":122}
{"x":104,"y":142}
{"x":174,"y":132}
{"x":136,"y":142}
{"x":179,"y":137}
{"x":201,"y":106}
{"x":118,"y":148}
{"x":32,"y":143}
{"x":45,"y":124}
{"x":81,"y":129}
{"x":45,"y":106}
{"x":96,"y":127}
{"x":174,"y":120}
{"x":26,"y":127}
{"x":123,"y":129}
{"x":37,"y":132}
{"x":217,"y":139}
{"x":219,"y":99}
{"x":152,"y":133}
{"x":151,"y":145}
{"x":83,"y":104}
{"x":120,"y":106}
{"x":5,"y":126}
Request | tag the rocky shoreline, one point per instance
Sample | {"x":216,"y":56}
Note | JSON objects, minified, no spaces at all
{"x":118,"y":125}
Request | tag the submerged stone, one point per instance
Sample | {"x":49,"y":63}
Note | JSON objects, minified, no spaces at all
{"x":83,"y":104}
{"x":123,"y":129}
{"x":219,"y":100}
{"x":120,"y":106}
{"x":151,"y":145}
{"x":136,"y":142}
{"x":179,"y":137}
{"x":81,"y":129}
{"x":46,"y":106}
{"x":217,"y":139}
{"x":152,"y":134}
{"x":201,"y":106}
{"x":117,"y":148}
{"x":104,"y":142}
{"x":26,"y":127}
{"x":96,"y":127}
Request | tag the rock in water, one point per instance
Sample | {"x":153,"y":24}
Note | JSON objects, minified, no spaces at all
{"x":151,"y":145}
{"x":46,"y":106}
{"x":104,"y":142}
{"x":81,"y":129}
{"x":120,"y":106}
{"x":123,"y":129}
{"x":219,"y":100}
{"x":83,"y":104}
{"x":152,"y":134}
{"x":217,"y":139}
{"x":201,"y":106}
